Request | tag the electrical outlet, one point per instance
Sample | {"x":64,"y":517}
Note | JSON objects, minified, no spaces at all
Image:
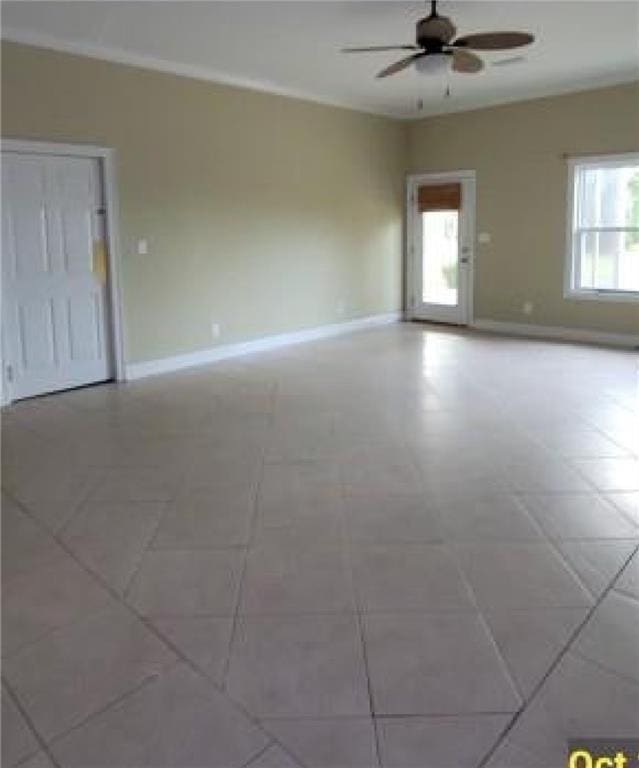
{"x":528,"y":307}
{"x":143,"y":247}
{"x":216,"y":330}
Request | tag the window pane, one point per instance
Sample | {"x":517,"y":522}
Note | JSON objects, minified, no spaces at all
{"x":609,"y":197}
{"x":439,"y":257}
{"x":608,"y":261}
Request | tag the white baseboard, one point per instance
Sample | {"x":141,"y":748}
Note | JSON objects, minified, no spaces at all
{"x":226,"y":351}
{"x":627,"y":340}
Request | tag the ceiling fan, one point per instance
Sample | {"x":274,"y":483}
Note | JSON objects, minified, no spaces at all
{"x":435,"y":46}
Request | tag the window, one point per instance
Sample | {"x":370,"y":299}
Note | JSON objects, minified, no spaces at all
{"x":440,"y":257}
{"x":603,"y":236}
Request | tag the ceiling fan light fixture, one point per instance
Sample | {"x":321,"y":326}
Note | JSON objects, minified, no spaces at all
{"x":435,"y":47}
{"x":432,"y":64}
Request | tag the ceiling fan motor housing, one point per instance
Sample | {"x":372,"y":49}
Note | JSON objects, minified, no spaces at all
{"x":435,"y":31}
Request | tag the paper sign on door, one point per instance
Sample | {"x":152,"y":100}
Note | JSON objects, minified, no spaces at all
{"x":99,"y":267}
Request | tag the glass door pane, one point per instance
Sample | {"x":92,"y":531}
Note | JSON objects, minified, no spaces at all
{"x":440,"y":263}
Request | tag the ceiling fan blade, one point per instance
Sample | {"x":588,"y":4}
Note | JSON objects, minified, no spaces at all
{"x":373,"y":48}
{"x":398,"y":66}
{"x":466,"y":62}
{"x":494,"y":41}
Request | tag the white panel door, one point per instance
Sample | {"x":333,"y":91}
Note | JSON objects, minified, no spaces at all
{"x":54,"y":291}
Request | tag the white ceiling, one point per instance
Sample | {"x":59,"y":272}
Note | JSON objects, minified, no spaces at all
{"x":293,"y":47}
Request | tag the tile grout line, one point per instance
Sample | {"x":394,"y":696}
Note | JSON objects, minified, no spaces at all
{"x":147,"y":546}
{"x":450,"y":548}
{"x":236,"y":615}
{"x":348,"y":541}
{"x":627,"y":595}
{"x":608,"y":670}
{"x":223,"y":686}
{"x":555,"y":543}
{"x":203,"y":672}
{"x":154,"y":630}
{"x":145,"y":549}
{"x":44,"y":747}
{"x":560,"y":656}
{"x":260,"y":754}
{"x":369,"y":686}
{"x":85,"y":498}
{"x":600,"y":430}
{"x":242,"y":576}
{"x":574,"y":462}
{"x":150,"y":678}
{"x":390,"y":716}
{"x":554,"y":547}
{"x":92,"y":612}
{"x":75,"y":508}
{"x":605,"y":495}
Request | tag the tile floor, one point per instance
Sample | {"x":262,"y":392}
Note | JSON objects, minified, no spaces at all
{"x":406,"y":548}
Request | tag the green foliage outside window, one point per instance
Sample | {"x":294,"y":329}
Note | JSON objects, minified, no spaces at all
{"x":632,"y":238}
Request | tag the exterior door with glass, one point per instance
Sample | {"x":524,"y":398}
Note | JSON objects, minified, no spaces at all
{"x":441,"y":237}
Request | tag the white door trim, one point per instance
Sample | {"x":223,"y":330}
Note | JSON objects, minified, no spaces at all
{"x":106,"y":157}
{"x":413,"y":181}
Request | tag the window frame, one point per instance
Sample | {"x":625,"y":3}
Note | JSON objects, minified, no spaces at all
{"x":571,"y":291}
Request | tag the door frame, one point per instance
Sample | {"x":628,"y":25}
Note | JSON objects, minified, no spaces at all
{"x":413,"y":181}
{"x":106,"y":157}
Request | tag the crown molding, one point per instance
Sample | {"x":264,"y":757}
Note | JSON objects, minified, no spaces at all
{"x":219,"y":77}
{"x":156,"y":64}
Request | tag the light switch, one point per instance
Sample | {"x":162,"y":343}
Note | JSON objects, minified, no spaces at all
{"x":484,"y":238}
{"x":143,"y":247}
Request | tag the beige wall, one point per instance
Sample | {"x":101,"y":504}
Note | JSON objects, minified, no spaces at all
{"x":516,"y":151}
{"x":262,"y":213}
{"x":266,"y":214}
